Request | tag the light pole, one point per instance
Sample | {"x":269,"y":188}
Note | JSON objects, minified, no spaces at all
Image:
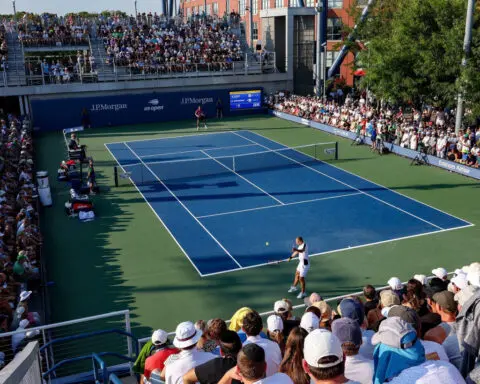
{"x":368,"y":66}
{"x":136,"y":13}
{"x":319,"y":55}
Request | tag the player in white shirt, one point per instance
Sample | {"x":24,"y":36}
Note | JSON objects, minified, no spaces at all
{"x":303,"y":266}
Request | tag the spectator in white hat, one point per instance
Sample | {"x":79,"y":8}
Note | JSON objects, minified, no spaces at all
{"x":461,"y":297}
{"x":422,"y":279}
{"x":396,"y":286}
{"x":473,"y":274}
{"x":309,"y":322}
{"x":186,"y":338}
{"x":323,"y":358}
{"x":283,"y":309}
{"x":441,"y":273}
{"x":458,"y":282}
{"x":275,"y":331}
{"x":252,"y":325}
{"x":357,"y":366}
{"x":159,"y":354}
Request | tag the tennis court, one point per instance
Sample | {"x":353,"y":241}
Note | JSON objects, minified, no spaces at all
{"x":237,"y":200}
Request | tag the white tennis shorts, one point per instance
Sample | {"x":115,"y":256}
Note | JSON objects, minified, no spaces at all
{"x":302,"y":270}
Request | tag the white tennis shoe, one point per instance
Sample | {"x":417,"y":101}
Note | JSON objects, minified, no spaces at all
{"x":301,"y":295}
{"x":292,"y":289}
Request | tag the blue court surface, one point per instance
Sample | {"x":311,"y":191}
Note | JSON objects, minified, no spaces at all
{"x":223,"y":208}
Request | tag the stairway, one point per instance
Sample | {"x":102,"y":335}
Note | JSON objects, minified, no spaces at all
{"x":16,"y":61}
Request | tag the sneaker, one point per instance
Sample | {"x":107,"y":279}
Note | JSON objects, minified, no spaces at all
{"x":292,"y":289}
{"x":301,"y":295}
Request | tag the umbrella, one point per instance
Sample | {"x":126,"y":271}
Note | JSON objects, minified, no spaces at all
{"x":360,"y":72}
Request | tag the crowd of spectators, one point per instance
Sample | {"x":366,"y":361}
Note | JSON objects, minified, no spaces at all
{"x":3,"y":49}
{"x":424,"y":331}
{"x":20,"y":238}
{"x":430,"y":131}
{"x":64,"y":69}
{"x":172,"y":47}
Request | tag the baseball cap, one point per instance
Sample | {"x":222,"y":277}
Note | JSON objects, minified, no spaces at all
{"x":309,"y":322}
{"x":321,"y":343}
{"x":446,"y":300}
{"x":395,"y":283}
{"x":347,"y":330}
{"x":408,"y":315}
{"x":395,"y":333}
{"x":461,"y":297}
{"x":440,"y":272}
{"x":186,"y":335}
{"x":473,"y":274}
{"x":352,"y":309}
{"x":460,"y":280}
{"x":159,"y":337}
{"x":421,"y":278}
{"x":274,"y":323}
{"x":280,"y":306}
{"x":388,"y":298}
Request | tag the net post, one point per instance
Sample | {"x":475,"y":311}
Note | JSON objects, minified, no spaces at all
{"x":115,"y":175}
{"x":336,"y":150}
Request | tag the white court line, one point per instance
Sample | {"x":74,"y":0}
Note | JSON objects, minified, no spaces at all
{"x":342,"y":249}
{"x":156,"y":214}
{"x":278,"y":206}
{"x":198,"y":150}
{"x":185,"y":207}
{"x":363,"y":178}
{"x":169,"y":137}
{"x":341,"y":182}
{"x":244,"y":178}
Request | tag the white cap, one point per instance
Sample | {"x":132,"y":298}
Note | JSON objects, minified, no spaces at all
{"x":186,"y":335}
{"x":275,"y":323}
{"x":321,"y":343}
{"x":460,"y":280}
{"x":421,"y":278}
{"x":461,"y":297}
{"x":473,"y":275}
{"x":309,"y":322}
{"x":280,"y":306}
{"x":395,"y":283}
{"x":24,"y":295}
{"x":159,"y":337}
{"x":23,"y":324}
{"x":440,"y":272}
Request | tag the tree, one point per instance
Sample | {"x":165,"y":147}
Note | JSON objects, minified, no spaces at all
{"x":414,"y":51}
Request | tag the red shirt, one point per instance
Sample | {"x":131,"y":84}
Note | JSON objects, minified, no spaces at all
{"x":157,"y":360}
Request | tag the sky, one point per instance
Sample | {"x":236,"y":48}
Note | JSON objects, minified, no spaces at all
{"x":62,"y":7}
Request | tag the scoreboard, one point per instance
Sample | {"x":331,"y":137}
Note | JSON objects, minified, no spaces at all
{"x":245,"y":99}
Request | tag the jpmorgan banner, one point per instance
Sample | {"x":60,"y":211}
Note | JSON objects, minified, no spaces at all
{"x":125,"y":109}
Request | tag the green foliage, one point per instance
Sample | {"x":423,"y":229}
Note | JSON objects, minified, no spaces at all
{"x":414,"y":51}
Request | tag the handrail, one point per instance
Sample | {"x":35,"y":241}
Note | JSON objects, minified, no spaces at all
{"x":84,"y":357}
{"x":97,"y":360}
{"x":89,"y":334}
{"x":113,"y":379}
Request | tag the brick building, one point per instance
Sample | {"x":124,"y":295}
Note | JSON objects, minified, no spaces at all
{"x":338,"y":15}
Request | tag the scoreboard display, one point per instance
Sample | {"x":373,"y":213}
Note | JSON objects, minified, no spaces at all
{"x":245,"y":99}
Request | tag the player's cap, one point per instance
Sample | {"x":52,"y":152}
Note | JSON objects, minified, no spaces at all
{"x":321,"y":343}
{"x":275,"y":323}
{"x":281,"y":306}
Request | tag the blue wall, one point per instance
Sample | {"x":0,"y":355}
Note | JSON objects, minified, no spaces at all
{"x":56,"y":114}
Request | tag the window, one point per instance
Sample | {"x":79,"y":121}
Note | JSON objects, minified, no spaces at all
{"x":215,"y":8}
{"x":189,"y":12}
{"x":255,"y":6}
{"x":331,"y":56}
{"x":265,"y":4}
{"x":255,"y":31}
{"x":209,"y":9}
{"x":278,"y":3}
{"x":200,"y":9}
{"x":241,"y":6}
{"x":334,"y":28}
{"x":294,"y":3}
{"x":335,"y":4}
{"x":310,"y":3}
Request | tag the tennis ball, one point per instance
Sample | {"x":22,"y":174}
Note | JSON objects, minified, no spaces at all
{"x":267,"y":243}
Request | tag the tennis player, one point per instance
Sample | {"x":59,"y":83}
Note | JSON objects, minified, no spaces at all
{"x":303,"y":266}
{"x":201,"y":117}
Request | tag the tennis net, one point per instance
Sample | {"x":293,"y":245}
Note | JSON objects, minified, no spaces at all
{"x":191,"y":169}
